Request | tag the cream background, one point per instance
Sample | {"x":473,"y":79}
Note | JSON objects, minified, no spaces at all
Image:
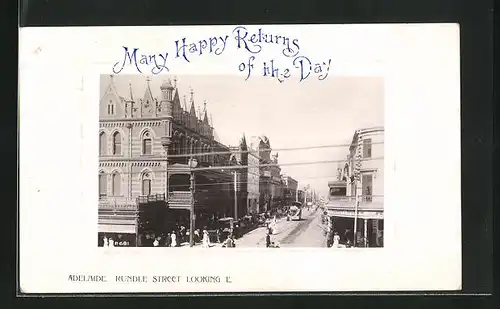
{"x":59,"y":92}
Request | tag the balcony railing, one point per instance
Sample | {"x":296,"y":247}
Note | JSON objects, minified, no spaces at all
{"x":363,"y":199}
{"x":143,"y":199}
{"x":179,"y":196}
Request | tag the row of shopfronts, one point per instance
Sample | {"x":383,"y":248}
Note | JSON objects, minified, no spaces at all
{"x":367,"y":222}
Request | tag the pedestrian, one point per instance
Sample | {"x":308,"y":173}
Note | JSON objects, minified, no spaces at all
{"x":268,"y":240}
{"x":218,"y":235}
{"x":111,"y":242}
{"x":156,"y":242}
{"x":206,"y":239}
{"x":336,"y":240}
{"x":329,"y":237}
{"x":182,"y":234}
{"x":196,"y":236}
{"x":105,"y":242}
{"x":173,"y":238}
{"x":168,"y":240}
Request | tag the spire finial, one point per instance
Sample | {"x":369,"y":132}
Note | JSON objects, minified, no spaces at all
{"x":175,"y":81}
{"x":148,"y":79}
{"x":191,"y":91}
{"x":130,"y":88}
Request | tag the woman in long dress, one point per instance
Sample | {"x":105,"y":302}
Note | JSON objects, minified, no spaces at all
{"x":336,"y":240}
{"x":206,"y":239}
{"x":105,"y":242}
{"x":173,"y":236}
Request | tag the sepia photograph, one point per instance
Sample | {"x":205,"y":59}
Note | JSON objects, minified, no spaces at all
{"x":205,"y":150}
{"x":217,"y":162}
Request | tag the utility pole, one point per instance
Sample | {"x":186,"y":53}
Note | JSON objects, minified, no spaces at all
{"x":235,"y":196}
{"x":192,"y":164}
{"x":355,"y":234}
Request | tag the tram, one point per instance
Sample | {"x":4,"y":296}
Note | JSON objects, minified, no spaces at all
{"x":296,"y":211}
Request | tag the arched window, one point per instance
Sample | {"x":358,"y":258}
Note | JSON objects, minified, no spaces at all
{"x":102,"y":185}
{"x":117,"y":143}
{"x":147,"y":144}
{"x":102,"y":143}
{"x":117,"y":183}
{"x":111,"y":108}
{"x":146,"y":184}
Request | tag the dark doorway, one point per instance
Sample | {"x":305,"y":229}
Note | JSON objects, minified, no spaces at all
{"x":152,"y":222}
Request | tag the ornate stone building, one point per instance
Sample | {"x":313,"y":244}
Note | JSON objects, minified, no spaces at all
{"x":290,"y":187}
{"x":144,"y":146}
{"x":248,"y":178}
{"x":360,"y":181}
{"x":271,"y":186}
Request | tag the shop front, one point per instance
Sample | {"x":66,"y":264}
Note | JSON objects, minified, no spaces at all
{"x":368,"y":224}
{"x":121,"y":234}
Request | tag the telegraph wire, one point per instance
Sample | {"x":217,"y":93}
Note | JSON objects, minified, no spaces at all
{"x":255,"y":151}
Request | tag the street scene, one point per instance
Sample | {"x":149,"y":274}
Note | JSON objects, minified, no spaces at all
{"x":224,"y":168}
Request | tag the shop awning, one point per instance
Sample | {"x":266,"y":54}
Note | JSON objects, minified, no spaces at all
{"x":362,"y":214}
{"x":116,"y":228}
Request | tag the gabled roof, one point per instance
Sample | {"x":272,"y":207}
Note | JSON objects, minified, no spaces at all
{"x":112,"y":89}
{"x":205,"y":116}
{"x":148,"y":95}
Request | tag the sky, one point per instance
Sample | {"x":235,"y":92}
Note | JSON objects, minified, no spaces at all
{"x":290,"y":114}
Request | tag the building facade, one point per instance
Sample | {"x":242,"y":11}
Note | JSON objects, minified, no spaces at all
{"x":276,"y":183}
{"x":261,"y":146}
{"x":360,"y":179}
{"x":290,"y":187}
{"x":270,"y":182}
{"x":145,"y":143}
{"x":248,"y":177}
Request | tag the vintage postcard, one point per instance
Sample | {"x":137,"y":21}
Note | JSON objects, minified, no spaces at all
{"x":239,"y":158}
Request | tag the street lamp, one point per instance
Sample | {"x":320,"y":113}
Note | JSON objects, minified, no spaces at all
{"x":192,"y":164}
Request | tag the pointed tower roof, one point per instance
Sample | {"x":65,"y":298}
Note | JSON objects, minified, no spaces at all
{"x":112,"y":89}
{"x":205,"y":117}
{"x":192,"y":110}
{"x":130,"y":90}
{"x":243,"y":142}
{"x":148,"y":95}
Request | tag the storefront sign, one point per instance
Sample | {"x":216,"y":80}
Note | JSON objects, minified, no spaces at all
{"x":361,"y":214}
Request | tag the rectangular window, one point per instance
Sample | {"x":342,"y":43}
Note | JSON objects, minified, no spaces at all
{"x":367,"y":148}
{"x":102,"y":144}
{"x":117,"y":146}
{"x":367,"y":185}
{"x":146,"y":187}
{"x":102,"y":186}
{"x":146,"y":146}
{"x":116,"y":184}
